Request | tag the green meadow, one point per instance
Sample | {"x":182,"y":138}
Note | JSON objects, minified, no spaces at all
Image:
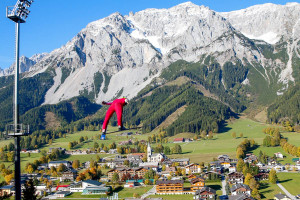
{"x":290,"y":181}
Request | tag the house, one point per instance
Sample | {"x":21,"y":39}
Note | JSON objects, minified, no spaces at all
{"x":278,"y":155}
{"x":250,"y":158}
{"x":57,"y":163}
{"x":30,"y":151}
{"x":138,"y":172}
{"x":205,"y":193}
{"x":7,"y":190}
{"x":112,"y":151}
{"x":96,"y":190}
{"x":168,"y":171}
{"x":281,"y":197}
{"x":240,"y":197}
{"x":181,"y":161}
{"x":134,"y":157}
{"x":62,"y":193}
{"x":261,"y":176}
{"x":197,"y":183}
{"x":69,"y":175}
{"x":216,"y":165}
{"x":119,"y":171}
{"x":259,"y":164}
{"x":225,"y":164}
{"x":178,"y":140}
{"x":150,"y":165}
{"x":223,"y":158}
{"x":169,"y":187}
{"x":235,"y":177}
{"x":272,"y":161}
{"x":240,"y":189}
{"x":193,"y":168}
{"x":232,"y":169}
{"x":81,"y":185}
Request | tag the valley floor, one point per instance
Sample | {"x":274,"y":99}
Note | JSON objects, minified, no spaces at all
{"x":197,"y":151}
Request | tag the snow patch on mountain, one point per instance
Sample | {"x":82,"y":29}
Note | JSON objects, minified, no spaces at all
{"x":270,"y":37}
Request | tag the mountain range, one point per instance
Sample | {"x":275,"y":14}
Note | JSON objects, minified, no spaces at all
{"x":236,"y":58}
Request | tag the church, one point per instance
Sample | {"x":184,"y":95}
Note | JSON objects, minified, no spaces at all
{"x":156,"y":157}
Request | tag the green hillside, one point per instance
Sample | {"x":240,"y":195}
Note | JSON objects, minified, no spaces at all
{"x":61,"y":114}
{"x":287,"y":107}
{"x":202,"y":113}
{"x":31,"y":94}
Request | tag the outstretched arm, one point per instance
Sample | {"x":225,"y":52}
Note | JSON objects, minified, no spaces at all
{"x":106,"y":103}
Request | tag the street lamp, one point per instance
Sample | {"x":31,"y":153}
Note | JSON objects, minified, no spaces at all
{"x":18,"y":14}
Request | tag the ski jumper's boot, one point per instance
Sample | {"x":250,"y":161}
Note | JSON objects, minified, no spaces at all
{"x":103,"y":135}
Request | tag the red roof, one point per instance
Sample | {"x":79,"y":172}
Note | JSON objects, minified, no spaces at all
{"x":178,"y":139}
{"x":138,"y":154}
{"x":61,"y":186}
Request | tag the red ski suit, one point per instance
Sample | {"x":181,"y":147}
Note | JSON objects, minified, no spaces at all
{"x":115,"y":106}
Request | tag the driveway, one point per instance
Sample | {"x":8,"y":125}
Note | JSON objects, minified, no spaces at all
{"x":286,"y":192}
{"x":150,"y":192}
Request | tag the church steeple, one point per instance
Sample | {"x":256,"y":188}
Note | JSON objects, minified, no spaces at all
{"x":149,"y":152}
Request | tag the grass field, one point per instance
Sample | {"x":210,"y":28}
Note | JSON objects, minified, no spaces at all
{"x":5,"y":142}
{"x":268,"y":190}
{"x":291,"y":182}
{"x":223,"y":143}
{"x":128,"y":192}
{"x":173,"y":197}
{"x":78,"y":195}
{"x":294,"y":137}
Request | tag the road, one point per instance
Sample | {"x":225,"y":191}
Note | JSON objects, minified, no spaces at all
{"x":286,"y":192}
{"x":223,"y":185}
{"x":150,"y":192}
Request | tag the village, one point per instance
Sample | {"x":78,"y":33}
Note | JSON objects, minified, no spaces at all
{"x":164,"y":175}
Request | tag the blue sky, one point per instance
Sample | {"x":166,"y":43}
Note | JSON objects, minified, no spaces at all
{"x":52,"y":23}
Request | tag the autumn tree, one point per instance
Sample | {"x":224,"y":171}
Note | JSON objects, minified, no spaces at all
{"x":8,"y":178}
{"x":248,"y":178}
{"x":240,"y":153}
{"x":115,"y":177}
{"x":233,"y":134}
{"x":29,"y":169}
{"x":240,"y":165}
{"x":76,"y":164}
{"x":61,"y":168}
{"x":210,"y":135}
{"x":273,"y":176}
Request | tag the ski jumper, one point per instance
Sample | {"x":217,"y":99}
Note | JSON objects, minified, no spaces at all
{"x":115,"y":106}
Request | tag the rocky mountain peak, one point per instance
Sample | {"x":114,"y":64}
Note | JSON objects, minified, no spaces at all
{"x":268,"y":22}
